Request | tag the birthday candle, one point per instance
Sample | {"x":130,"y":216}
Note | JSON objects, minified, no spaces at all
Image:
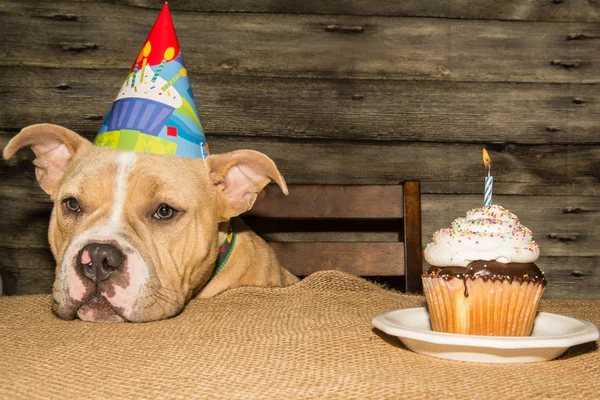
{"x":169,"y":53}
{"x":143,"y":68}
{"x":489,"y":180}
{"x":146,"y":53}
{"x":182,"y":72}
{"x":135,"y":70}
{"x":158,"y":69}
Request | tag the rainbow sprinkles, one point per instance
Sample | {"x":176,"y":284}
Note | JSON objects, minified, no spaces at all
{"x":486,"y":233}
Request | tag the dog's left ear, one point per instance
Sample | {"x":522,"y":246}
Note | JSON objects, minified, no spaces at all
{"x":54,"y":147}
{"x":239,"y":176}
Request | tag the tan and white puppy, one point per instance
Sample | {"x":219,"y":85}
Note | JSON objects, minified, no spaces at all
{"x":136,"y":235}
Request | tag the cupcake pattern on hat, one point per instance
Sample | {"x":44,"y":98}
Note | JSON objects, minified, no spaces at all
{"x":155,"y":110}
{"x":487,"y":233}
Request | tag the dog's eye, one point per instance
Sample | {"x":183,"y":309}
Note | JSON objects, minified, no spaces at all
{"x":72,"y":204}
{"x":164,"y":211}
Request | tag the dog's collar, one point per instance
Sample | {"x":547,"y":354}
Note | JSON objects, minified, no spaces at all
{"x":225,"y":250}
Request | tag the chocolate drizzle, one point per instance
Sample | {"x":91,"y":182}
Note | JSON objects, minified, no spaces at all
{"x":490,"y":270}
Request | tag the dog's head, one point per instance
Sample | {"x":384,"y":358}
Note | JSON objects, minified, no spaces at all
{"x":135,"y":235}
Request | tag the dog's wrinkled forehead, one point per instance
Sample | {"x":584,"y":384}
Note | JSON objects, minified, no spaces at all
{"x":96,"y":171}
{"x":105,"y":171}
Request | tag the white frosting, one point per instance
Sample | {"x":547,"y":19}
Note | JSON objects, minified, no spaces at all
{"x":150,"y":90}
{"x":488,"y":233}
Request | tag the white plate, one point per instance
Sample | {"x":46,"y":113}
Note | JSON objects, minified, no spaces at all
{"x":552,"y":335}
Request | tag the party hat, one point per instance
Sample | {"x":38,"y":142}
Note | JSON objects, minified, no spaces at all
{"x":155,"y":111}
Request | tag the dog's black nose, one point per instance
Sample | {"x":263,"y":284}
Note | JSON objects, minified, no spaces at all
{"x":99,"y":260}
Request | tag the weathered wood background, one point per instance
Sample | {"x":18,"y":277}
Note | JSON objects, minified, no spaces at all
{"x":357,"y":91}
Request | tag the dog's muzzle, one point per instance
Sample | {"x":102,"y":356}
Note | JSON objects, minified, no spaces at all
{"x":102,"y":277}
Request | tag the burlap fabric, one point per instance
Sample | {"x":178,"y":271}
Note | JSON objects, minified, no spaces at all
{"x":312,"y":340}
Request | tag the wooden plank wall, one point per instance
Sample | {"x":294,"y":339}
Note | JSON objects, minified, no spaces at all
{"x":359,"y":91}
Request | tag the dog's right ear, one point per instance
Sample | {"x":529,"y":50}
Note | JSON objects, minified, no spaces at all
{"x":239,"y":176}
{"x":54,"y":147}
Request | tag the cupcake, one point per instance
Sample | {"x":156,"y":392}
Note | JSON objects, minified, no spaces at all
{"x":483,"y":280}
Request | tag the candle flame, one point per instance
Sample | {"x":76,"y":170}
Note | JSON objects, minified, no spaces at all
{"x":486,"y":158}
{"x":147,"y":49}
{"x":144,"y":52}
{"x":169,"y":53}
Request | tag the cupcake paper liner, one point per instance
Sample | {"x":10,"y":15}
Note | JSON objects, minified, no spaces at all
{"x":492,"y":308}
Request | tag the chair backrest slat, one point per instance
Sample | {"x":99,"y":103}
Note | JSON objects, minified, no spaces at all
{"x":302,"y":259}
{"x":331,"y":201}
{"x":367,"y":230}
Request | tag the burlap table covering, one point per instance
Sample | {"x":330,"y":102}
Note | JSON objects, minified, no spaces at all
{"x":312,"y":340}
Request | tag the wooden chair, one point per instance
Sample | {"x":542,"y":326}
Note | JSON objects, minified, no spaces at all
{"x":368,"y":230}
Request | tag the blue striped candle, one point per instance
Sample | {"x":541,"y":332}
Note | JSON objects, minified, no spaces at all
{"x":487,"y":198}
{"x":158,"y":70}
{"x":135,"y":71}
